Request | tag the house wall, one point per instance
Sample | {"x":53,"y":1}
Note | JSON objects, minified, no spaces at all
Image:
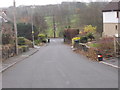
{"x":111,"y":23}
{"x":110,"y":29}
{"x":111,"y":17}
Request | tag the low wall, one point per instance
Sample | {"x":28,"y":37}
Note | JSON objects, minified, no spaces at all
{"x":10,"y":51}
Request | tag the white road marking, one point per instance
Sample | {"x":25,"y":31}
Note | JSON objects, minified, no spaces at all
{"x":109,"y":64}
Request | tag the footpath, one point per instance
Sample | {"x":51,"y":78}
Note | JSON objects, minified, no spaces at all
{"x":113,"y":62}
{"x":13,"y":60}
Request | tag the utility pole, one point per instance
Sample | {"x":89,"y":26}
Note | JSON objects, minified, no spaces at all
{"x":1,"y":22}
{"x":54,"y":27}
{"x":32,"y":26}
{"x":115,"y":48}
{"x":15,"y":28}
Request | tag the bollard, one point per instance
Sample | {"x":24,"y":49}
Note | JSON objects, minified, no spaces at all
{"x":100,"y":57}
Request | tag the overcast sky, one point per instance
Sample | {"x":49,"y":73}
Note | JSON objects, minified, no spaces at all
{"x":7,"y":3}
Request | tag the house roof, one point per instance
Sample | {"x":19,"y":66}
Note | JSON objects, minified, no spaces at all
{"x":112,"y":6}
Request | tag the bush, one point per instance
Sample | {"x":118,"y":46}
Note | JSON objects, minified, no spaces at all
{"x":90,"y":36}
{"x":37,"y":42}
{"x":24,"y":41}
{"x":84,"y":39}
{"x":24,"y":48}
{"x":7,"y":39}
{"x":28,"y":42}
{"x":90,"y":28}
{"x":106,"y":46}
{"x":21,"y":41}
{"x":42,"y":38}
{"x":44,"y":41}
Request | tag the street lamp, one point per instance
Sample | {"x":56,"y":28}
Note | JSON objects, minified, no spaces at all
{"x":15,"y":27}
{"x":32,"y":26}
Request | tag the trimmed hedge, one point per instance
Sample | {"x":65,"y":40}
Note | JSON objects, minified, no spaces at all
{"x":24,"y":41}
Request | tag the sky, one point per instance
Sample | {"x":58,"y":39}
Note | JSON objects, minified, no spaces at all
{"x":7,"y":3}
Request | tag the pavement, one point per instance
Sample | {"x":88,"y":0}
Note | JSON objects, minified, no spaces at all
{"x":113,"y":62}
{"x":13,"y":60}
{"x":57,"y":66}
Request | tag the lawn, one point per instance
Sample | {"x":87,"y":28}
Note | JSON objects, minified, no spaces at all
{"x":94,"y":45}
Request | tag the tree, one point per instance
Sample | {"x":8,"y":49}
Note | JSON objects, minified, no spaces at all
{"x":25,"y":30}
{"x":39,"y":22}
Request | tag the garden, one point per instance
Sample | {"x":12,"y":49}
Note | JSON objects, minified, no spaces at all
{"x":88,"y":44}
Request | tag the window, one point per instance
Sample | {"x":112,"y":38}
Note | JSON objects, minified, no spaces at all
{"x":117,"y":14}
{"x":116,"y":27}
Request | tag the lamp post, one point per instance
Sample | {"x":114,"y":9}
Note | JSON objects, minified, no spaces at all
{"x":15,"y":27}
{"x":32,"y":27}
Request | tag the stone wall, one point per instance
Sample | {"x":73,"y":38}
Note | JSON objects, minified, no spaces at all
{"x":10,"y":51}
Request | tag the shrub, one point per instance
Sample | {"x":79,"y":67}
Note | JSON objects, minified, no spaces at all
{"x":84,"y":39}
{"x":24,"y":41}
{"x":90,"y":36}
{"x":24,"y":48}
{"x":90,"y":28}
{"x":21,"y":41}
{"x":42,"y":38}
{"x":28,"y":42}
{"x":44,"y":41}
{"x":7,"y":39}
{"x":106,"y":46}
{"x":37,"y":42}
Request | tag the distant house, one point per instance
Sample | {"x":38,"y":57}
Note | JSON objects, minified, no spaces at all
{"x":111,"y":19}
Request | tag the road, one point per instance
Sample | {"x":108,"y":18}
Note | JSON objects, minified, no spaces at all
{"x":57,"y":66}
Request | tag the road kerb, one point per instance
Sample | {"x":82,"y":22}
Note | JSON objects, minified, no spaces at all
{"x":17,"y":61}
{"x":8,"y":66}
{"x":109,"y":64}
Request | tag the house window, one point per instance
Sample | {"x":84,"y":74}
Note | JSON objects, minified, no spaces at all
{"x":116,"y":27}
{"x":117,"y":14}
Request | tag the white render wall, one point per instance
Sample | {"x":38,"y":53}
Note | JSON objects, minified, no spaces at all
{"x":111,"y":17}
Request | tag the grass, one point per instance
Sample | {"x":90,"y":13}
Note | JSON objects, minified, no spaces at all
{"x":73,"y":23}
{"x":94,"y":45}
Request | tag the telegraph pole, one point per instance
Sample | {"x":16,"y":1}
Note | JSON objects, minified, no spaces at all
{"x":32,"y":26}
{"x":54,"y":27}
{"x":115,"y":48}
{"x":15,"y":28}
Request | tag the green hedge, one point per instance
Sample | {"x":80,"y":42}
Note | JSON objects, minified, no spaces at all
{"x":23,"y":48}
{"x":24,"y":41}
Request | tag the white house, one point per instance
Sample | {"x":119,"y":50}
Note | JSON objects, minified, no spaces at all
{"x":111,"y":19}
